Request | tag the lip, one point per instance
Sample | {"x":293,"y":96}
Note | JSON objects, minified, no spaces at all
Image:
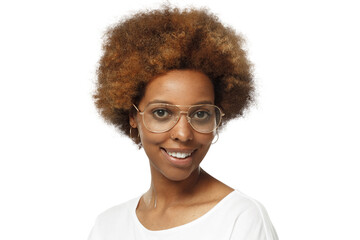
{"x":178,"y":162}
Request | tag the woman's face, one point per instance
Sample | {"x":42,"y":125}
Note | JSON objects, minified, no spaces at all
{"x":178,"y":87}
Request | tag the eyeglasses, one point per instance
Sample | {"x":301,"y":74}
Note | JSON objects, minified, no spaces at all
{"x":161,"y":117}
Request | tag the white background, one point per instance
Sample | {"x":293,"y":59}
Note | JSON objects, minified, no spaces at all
{"x":296,"y":151}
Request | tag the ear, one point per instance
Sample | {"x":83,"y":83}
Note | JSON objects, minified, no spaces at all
{"x":132,"y":120}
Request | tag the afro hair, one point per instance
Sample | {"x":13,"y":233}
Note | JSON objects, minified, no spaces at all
{"x":150,"y":43}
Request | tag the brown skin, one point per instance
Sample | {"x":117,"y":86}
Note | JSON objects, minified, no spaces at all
{"x":182,"y":193}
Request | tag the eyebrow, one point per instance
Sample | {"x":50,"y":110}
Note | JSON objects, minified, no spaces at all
{"x":167,"y":102}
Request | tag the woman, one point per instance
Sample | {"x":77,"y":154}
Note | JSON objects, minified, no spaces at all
{"x":169,"y":79}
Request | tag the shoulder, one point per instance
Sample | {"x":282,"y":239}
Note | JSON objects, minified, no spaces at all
{"x":243,"y":203}
{"x":118,"y":212}
{"x":251,"y":218}
{"x":111,"y":222}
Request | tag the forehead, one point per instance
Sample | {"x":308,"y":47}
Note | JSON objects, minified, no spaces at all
{"x":181,"y":87}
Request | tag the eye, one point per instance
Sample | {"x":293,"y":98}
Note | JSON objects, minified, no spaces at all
{"x":201,"y":115}
{"x":161,"y":113}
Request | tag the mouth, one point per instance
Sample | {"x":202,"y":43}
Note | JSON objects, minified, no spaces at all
{"x":179,"y":154}
{"x":179,"y":157}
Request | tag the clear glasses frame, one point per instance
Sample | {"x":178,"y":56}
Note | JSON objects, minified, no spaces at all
{"x":142,"y":113}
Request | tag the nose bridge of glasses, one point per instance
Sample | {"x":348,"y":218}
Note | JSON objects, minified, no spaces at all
{"x":178,"y":117}
{"x":182,"y":128}
{"x":186,"y":113}
{"x":179,"y":113}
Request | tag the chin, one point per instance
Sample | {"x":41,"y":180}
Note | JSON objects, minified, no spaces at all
{"x":178,"y":174}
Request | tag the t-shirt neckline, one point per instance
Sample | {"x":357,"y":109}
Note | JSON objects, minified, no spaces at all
{"x":186,"y":225}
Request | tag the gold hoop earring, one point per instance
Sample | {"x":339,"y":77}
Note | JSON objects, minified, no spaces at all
{"x":217,"y":138}
{"x":131,"y":132}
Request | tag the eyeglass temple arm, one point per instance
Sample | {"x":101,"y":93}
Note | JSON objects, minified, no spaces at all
{"x":136,"y":108}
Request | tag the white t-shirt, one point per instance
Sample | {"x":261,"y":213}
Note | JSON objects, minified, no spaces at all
{"x":236,"y":217}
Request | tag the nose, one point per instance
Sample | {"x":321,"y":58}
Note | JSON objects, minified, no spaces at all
{"x":182,"y":131}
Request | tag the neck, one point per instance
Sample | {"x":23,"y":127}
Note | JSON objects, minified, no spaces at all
{"x":165,"y":192}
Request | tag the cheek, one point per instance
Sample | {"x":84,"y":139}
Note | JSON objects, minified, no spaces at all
{"x":149,"y":138}
{"x":205,"y":139}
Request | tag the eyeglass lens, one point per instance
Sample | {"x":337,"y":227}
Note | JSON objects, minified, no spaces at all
{"x":162,"y":117}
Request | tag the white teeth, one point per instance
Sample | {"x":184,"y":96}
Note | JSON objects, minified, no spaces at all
{"x":179,"y":154}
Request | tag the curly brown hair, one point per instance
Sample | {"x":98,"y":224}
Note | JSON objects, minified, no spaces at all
{"x":151,"y":43}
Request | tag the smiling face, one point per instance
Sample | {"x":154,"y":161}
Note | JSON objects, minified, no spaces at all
{"x":178,"y":152}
